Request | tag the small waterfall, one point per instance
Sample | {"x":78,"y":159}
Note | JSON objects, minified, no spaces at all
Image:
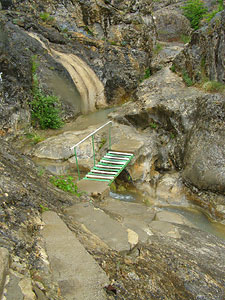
{"x":86,"y":81}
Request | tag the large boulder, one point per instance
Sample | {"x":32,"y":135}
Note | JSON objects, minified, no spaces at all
{"x":203,"y":57}
{"x":171,"y":24}
{"x":204,"y":160}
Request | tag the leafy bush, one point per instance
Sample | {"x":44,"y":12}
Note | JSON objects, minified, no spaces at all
{"x":194,"y":10}
{"x":45,"y":109}
{"x":65,"y":183}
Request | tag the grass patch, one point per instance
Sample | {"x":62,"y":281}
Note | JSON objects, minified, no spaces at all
{"x":65,"y":183}
{"x":187,"y":79}
{"x":214,"y":86}
{"x":185,"y":38}
{"x":45,"y":17}
{"x":158,"y":47}
{"x":34,"y":137}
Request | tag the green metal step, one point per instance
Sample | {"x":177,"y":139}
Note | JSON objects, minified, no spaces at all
{"x":113,"y":171}
{"x":108,"y":166}
{"x":120,"y":153}
{"x":95,"y":179}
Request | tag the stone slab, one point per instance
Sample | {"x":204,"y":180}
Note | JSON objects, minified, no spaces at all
{"x":94,"y":188}
{"x":111,"y":232}
{"x":77,"y":273}
{"x":132,"y":215}
{"x":4,"y":267}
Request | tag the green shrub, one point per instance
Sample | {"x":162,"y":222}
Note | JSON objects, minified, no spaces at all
{"x":45,"y":109}
{"x":194,"y":10}
{"x":65,"y":183}
{"x":187,"y":79}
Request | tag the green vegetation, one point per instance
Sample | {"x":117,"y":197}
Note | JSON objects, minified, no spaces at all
{"x":185,"y":38}
{"x":173,"y":68}
{"x":65,"y":183}
{"x":208,"y":16}
{"x":34,"y":137}
{"x":158,"y":47}
{"x":102,"y":143}
{"x":44,"y":16}
{"x":194,"y":10}
{"x":147,"y":73}
{"x":153,"y":125}
{"x":45,"y":109}
{"x":43,"y":208}
{"x":213,"y":86}
{"x":88,"y":30}
{"x":187,"y":79}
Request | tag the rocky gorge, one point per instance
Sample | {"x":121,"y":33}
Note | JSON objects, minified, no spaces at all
{"x":126,"y":56}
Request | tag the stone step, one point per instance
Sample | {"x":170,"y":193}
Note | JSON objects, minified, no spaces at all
{"x":134,"y":216}
{"x":111,"y":232}
{"x":77,"y":273}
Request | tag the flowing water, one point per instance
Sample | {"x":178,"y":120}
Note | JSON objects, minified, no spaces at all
{"x":192,"y":214}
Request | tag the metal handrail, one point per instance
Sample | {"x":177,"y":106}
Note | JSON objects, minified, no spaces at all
{"x":88,"y":136}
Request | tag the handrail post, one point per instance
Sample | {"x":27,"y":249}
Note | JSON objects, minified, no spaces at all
{"x":93,"y":146}
{"x":110,"y":137}
{"x":78,"y":170}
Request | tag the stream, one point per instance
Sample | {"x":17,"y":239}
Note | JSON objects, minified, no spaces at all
{"x":192,"y":213}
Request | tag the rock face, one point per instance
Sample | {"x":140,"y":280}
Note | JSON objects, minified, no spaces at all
{"x":203,"y":57}
{"x":101,"y":35}
{"x":204,"y":160}
{"x":187,"y":125}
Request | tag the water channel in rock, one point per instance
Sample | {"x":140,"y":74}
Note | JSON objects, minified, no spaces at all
{"x":193,"y":214}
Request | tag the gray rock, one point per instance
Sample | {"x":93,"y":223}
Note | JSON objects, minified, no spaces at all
{"x":4,"y":267}
{"x":171,"y":217}
{"x":171,"y":24}
{"x":12,"y":289}
{"x":78,"y":274}
{"x":203,"y":57}
{"x":95,"y":220}
{"x":204,"y":161}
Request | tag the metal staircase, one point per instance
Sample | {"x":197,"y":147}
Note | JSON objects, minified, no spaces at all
{"x":110,"y":166}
